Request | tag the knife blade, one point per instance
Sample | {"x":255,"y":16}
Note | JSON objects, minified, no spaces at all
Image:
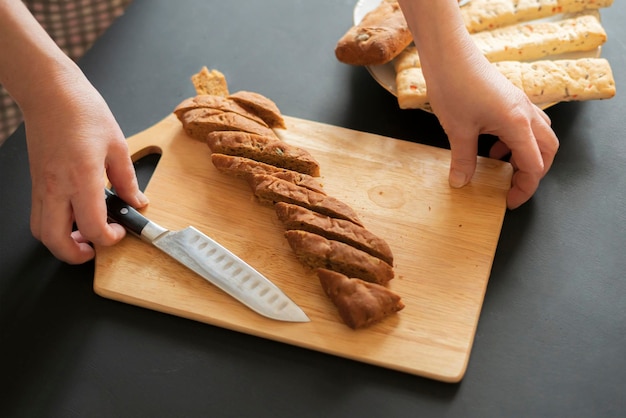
{"x":211,"y":261}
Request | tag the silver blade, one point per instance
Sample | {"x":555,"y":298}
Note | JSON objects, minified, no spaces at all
{"x":228,"y":272}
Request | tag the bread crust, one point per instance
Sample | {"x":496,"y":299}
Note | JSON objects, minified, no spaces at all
{"x":269,"y":189}
{"x":359,"y":303}
{"x":294,"y":217}
{"x":198,"y":123}
{"x":211,"y":101}
{"x":243,"y":167}
{"x":210,"y":82}
{"x":260,"y":105}
{"x":269,"y":150}
{"x":315,"y":251}
{"x":322,"y":231}
{"x":377,"y":39}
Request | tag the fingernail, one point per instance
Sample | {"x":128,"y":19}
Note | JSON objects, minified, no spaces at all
{"x":457,"y":179}
{"x":142,"y":199}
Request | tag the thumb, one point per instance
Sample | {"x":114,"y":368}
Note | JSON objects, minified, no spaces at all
{"x":463,"y":161}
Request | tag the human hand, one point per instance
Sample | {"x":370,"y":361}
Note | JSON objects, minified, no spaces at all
{"x":470,"y":97}
{"x":480,"y":100}
{"x":73,"y":139}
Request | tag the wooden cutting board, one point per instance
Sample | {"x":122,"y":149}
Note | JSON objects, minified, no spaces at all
{"x":443,"y":241}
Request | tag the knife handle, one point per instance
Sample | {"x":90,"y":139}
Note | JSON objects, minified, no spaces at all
{"x":124,"y":214}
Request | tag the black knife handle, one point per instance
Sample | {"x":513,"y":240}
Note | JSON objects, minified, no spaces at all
{"x":124,"y":214}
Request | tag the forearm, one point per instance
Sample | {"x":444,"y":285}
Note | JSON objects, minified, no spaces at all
{"x":439,"y":34}
{"x":32,"y":67}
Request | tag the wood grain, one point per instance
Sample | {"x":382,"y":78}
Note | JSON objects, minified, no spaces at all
{"x":443,"y":240}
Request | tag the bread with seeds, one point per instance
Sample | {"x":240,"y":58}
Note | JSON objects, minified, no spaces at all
{"x":294,"y":217}
{"x":315,"y":251}
{"x":359,"y":303}
{"x":211,"y":101}
{"x":269,"y":189}
{"x":200,"y":122}
{"x":269,"y":150}
{"x":243,"y":167}
{"x":377,"y":39}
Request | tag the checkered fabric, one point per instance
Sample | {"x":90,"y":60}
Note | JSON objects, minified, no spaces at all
{"x":74,"y":25}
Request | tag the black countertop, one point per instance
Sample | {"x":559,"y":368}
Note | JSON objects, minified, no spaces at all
{"x":551,"y":340}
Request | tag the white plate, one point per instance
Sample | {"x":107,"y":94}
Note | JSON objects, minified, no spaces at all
{"x":385,"y":74}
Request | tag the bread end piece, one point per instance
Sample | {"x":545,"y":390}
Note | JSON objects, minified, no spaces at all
{"x":210,"y":82}
{"x":377,"y":39}
{"x":359,"y":303}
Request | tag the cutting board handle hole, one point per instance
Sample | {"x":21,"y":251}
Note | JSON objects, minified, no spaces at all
{"x":144,"y":167}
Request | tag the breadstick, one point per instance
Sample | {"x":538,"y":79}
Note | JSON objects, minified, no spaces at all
{"x":529,"y":41}
{"x":543,"y":81}
{"x":480,"y":15}
{"x":561,"y":80}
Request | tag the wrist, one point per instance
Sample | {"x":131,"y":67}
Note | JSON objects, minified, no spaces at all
{"x":51,"y":82}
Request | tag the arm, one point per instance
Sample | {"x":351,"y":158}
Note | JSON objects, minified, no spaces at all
{"x":72,"y":138}
{"x":470,"y":98}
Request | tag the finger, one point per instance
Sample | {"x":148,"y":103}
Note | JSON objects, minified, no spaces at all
{"x":464,"y":152}
{"x":513,"y":163}
{"x":90,"y":211}
{"x":547,"y":141}
{"x":527,"y":163}
{"x":544,"y":116}
{"x":121,"y":174}
{"x":526,"y":179}
{"x":526,"y":152}
{"x":55,"y":232}
{"x":79,"y":238}
{"x":499,"y":150}
{"x":523,"y":187}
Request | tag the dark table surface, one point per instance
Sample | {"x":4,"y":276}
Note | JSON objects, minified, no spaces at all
{"x":551,"y":340}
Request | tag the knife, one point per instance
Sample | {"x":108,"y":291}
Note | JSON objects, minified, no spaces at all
{"x":210,"y":260}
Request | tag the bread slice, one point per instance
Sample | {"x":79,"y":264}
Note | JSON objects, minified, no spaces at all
{"x":359,"y":303}
{"x":211,"y":101}
{"x":261,"y":106}
{"x":380,"y":36}
{"x":192,"y":122}
{"x":315,"y":251}
{"x":294,"y":217}
{"x":210,"y":82}
{"x":243,"y":167}
{"x":269,"y":189}
{"x":198,"y":123}
{"x":269,"y":150}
